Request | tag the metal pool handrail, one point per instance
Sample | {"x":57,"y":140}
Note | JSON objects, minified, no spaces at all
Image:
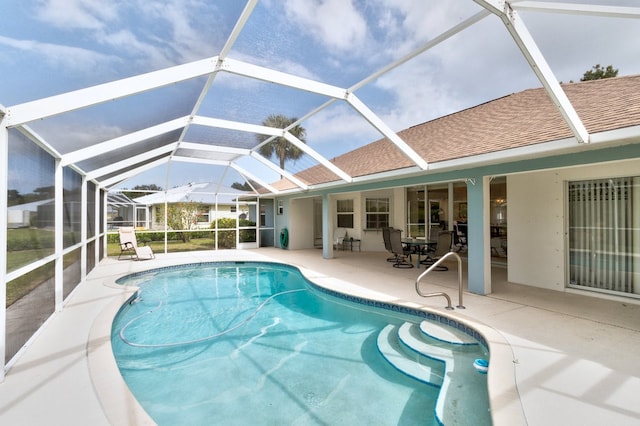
{"x":446,"y":296}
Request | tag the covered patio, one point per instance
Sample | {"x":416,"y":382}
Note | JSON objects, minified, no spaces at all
{"x":559,"y":352}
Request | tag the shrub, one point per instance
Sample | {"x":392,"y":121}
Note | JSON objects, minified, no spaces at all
{"x":227,"y":239}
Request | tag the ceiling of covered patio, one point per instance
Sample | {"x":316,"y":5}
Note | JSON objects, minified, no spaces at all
{"x":168,"y":93}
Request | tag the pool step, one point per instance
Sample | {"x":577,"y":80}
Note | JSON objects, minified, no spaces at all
{"x":424,"y":369}
{"x":431,"y":353}
{"x":448,"y":334}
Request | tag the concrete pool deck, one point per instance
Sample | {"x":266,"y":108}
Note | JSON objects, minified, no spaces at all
{"x":575,"y":357}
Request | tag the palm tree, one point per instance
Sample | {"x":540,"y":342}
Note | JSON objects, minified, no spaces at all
{"x":279,"y":146}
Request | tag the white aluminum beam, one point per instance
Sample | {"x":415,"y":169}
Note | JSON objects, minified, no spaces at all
{"x":236,"y":125}
{"x":525,"y":42}
{"x":208,"y":161}
{"x":319,"y":158}
{"x":123,"y":141}
{"x":125,"y":164}
{"x":39,"y":140}
{"x":283,"y":79}
{"x":214,"y":148}
{"x":431,"y":43}
{"x":579,"y":9}
{"x":270,"y":131}
{"x":382,"y":127}
{"x":116,"y":179}
{"x":251,"y":177}
{"x":234,"y":166}
{"x":235,"y":33}
{"x":58,"y":226}
{"x":70,"y":101}
{"x":277,"y":169}
{"x":237,"y":29}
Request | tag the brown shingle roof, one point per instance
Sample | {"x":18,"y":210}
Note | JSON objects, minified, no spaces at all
{"x":516,"y":120}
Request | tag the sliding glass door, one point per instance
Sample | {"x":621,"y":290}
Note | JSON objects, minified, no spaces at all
{"x":604,"y":235}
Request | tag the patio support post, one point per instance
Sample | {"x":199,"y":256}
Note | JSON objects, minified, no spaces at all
{"x":4,"y":217}
{"x":98,"y":226}
{"x":58,"y":235}
{"x":105,"y":239}
{"x":83,"y":228}
{"x":450,"y":197}
{"x":327,"y":226}
{"x":478,"y":235}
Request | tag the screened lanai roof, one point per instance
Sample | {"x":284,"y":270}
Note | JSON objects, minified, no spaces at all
{"x":171,"y":92}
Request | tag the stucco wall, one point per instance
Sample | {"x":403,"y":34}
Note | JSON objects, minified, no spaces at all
{"x":372,"y":240}
{"x":300,"y":223}
{"x":537,"y":221}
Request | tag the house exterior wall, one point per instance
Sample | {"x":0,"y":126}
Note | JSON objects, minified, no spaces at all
{"x":300,"y":223}
{"x":371,"y":240}
{"x":224,"y":211}
{"x":536,"y":198}
{"x":537,"y":221}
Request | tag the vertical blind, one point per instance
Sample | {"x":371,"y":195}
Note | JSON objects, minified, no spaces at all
{"x":604,"y":234}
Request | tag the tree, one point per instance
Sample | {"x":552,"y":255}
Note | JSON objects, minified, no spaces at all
{"x":597,"y":72}
{"x":14,"y":197}
{"x":181,"y":216}
{"x":280,"y":147}
{"x":138,"y":190}
{"x":246,"y":186}
{"x":242,"y":186}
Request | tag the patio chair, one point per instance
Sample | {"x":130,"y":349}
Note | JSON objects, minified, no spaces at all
{"x":444,"y":245}
{"x":338,"y":238}
{"x":459,"y":238}
{"x":386,"y":237}
{"x":498,"y":246}
{"x":129,"y":245}
{"x":399,"y":251}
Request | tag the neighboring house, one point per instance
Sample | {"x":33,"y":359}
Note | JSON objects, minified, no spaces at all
{"x":121,"y":211}
{"x":25,"y":215}
{"x":573,"y":219}
{"x":215,"y":202}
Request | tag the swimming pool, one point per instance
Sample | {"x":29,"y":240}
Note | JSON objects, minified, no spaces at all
{"x":245,"y":342}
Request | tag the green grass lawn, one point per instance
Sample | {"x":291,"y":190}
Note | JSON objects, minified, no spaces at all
{"x":28,"y":245}
{"x":113,"y":249}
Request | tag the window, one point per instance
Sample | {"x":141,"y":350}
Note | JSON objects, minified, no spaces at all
{"x":604,"y":234}
{"x":203,"y":214}
{"x":345,"y":213}
{"x":377,"y":213}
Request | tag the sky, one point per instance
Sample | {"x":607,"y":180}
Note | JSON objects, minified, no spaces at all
{"x":49,"y":47}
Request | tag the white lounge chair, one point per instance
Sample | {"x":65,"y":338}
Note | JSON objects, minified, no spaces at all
{"x":129,"y":245}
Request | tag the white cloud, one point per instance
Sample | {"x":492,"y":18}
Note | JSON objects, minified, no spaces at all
{"x":150,"y":32}
{"x":338,"y":123}
{"x":67,"y":57}
{"x":418,"y":96}
{"x":74,"y":14}
{"x":71,"y":135}
{"x":334,"y":23}
{"x":190,"y":27}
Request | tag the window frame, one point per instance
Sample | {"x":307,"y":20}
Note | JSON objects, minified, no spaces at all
{"x":382,"y":212}
{"x":345,"y":216}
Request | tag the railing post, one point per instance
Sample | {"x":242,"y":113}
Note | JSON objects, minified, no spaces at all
{"x":430,"y":268}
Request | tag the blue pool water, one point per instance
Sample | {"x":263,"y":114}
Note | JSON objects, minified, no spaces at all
{"x":256,"y":343}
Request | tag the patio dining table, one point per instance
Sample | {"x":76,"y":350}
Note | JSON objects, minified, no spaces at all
{"x":418,"y":245}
